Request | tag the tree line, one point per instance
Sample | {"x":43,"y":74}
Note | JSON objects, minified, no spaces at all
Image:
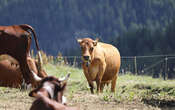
{"x":144,"y":41}
{"x":136,"y":27}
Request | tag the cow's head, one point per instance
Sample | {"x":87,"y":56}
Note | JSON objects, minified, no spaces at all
{"x":87,"y":48}
{"x":51,"y":87}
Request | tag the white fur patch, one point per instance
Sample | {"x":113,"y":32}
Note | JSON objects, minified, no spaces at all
{"x":29,"y":86}
{"x":49,"y":88}
{"x":64,"y":100}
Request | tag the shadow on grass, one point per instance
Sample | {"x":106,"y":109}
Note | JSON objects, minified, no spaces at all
{"x":161,"y":103}
{"x":162,"y":97}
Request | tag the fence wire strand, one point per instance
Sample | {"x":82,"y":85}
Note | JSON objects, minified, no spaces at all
{"x":141,"y":65}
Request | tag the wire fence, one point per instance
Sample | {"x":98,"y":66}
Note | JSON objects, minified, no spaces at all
{"x":157,"y":66}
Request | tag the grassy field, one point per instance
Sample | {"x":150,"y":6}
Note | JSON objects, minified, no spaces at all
{"x":133,"y":93}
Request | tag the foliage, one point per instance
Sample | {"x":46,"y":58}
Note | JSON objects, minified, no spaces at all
{"x":59,"y":22}
{"x":144,"y":41}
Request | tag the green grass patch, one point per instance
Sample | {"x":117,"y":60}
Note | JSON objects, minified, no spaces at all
{"x":155,"y":92}
{"x":77,"y":81}
{"x":129,"y":88}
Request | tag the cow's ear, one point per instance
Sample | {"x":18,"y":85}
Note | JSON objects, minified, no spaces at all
{"x":79,"y":40}
{"x":95,"y":41}
{"x":33,"y":93}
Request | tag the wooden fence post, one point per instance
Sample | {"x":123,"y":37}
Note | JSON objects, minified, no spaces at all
{"x":74,"y":62}
{"x":166,"y":67}
{"x":135,"y":64}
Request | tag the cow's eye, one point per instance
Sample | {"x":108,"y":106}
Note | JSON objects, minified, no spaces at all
{"x":91,"y":49}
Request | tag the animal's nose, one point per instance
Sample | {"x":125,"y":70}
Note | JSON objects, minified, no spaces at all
{"x":86,"y":57}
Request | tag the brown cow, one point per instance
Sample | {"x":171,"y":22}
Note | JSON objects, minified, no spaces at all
{"x":101,"y":63}
{"x":10,"y":73}
{"x":15,"y":41}
{"x":49,"y":95}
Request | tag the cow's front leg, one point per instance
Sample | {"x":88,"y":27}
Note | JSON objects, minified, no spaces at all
{"x":100,"y":74}
{"x":91,"y":85}
{"x":90,"y":82}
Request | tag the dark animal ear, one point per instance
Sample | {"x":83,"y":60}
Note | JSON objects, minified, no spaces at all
{"x":79,"y":40}
{"x":33,"y":93}
{"x":95,"y":41}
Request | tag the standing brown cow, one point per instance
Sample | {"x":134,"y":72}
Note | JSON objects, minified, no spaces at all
{"x":101,"y":63}
{"x":15,"y":41}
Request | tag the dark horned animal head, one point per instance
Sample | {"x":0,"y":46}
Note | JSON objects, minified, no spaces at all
{"x":51,"y":87}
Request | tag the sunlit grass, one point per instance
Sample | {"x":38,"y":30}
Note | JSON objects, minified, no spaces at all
{"x":62,"y":70}
{"x":128,"y":88}
{"x":77,"y":81}
{"x":129,"y":81}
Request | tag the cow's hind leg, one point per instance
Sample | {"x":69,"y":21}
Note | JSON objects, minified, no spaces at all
{"x":113,"y":84}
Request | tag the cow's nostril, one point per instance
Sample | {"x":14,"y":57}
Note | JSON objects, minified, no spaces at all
{"x":86,"y":57}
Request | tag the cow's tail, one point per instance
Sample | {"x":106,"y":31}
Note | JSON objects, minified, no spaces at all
{"x":27,"y":27}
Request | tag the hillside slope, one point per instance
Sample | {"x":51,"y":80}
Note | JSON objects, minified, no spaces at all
{"x":59,"y":22}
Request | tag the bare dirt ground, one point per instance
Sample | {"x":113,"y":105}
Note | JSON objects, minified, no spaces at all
{"x":14,"y":99}
{"x":86,"y":101}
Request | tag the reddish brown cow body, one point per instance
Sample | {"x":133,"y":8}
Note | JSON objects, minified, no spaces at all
{"x":11,"y":76}
{"x":15,"y":41}
{"x":101,"y":63}
{"x":49,"y":95}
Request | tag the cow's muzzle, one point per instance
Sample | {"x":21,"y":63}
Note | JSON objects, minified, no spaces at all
{"x":86,"y":59}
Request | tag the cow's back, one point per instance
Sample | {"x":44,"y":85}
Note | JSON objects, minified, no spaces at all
{"x":12,"y":40}
{"x":14,"y":30}
{"x":112,"y":60}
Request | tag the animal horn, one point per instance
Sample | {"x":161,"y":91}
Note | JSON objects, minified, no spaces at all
{"x":79,"y":40}
{"x":64,"y":79}
{"x":36,"y":77}
{"x":40,"y":61}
